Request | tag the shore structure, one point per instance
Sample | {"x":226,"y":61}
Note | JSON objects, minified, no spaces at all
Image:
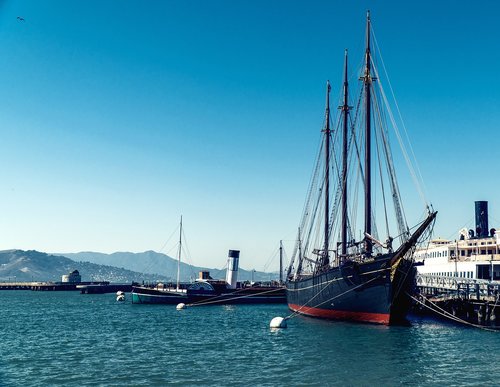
{"x":462,"y":277}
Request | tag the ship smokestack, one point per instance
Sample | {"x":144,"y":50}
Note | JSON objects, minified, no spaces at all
{"x":232,"y":268}
{"x":482,"y":229}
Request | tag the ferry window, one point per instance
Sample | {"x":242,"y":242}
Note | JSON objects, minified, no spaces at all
{"x":462,"y":252}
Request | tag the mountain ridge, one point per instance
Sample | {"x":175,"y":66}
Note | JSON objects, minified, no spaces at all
{"x":32,"y":265}
{"x":147,"y":261}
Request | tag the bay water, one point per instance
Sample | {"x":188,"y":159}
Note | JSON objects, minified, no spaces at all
{"x":70,"y":339}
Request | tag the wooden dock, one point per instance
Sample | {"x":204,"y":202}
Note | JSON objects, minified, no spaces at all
{"x":471,"y":300}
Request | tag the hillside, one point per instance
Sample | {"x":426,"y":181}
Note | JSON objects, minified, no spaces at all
{"x":21,"y":266}
{"x":149,"y":266}
{"x":153,"y":262}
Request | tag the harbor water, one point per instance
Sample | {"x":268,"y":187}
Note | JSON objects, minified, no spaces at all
{"x":70,"y":339}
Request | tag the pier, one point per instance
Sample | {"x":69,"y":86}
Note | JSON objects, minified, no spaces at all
{"x":105,"y":288}
{"x":19,"y":285}
{"x":49,"y":286}
{"x":473,"y":300}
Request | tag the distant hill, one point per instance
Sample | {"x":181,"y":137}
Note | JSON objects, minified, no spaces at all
{"x":21,"y":266}
{"x":149,"y":266}
{"x":153,"y":262}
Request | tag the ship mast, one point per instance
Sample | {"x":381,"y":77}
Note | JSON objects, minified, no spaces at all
{"x":281,"y":262}
{"x":367,"y":81}
{"x":179,"y":256}
{"x":345,"y":112}
{"x":326,"y":259}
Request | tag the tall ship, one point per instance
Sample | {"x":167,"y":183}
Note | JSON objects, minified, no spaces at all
{"x":473,"y":255}
{"x":334,"y":273}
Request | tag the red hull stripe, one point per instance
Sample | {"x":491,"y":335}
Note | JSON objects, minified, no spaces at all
{"x":377,"y":318}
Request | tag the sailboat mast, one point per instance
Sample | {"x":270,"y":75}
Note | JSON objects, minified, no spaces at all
{"x":179,"y":256}
{"x":367,"y":80}
{"x":327,"y":174}
{"x":345,"y":112}
{"x":281,"y":262}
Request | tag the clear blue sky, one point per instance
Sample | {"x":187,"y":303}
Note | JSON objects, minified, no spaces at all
{"x":116,"y":117}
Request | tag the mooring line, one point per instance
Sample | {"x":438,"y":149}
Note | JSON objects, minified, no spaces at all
{"x":219,"y":299}
{"x":450,"y":316}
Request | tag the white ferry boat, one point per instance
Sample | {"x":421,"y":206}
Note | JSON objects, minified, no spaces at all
{"x":474,"y":255}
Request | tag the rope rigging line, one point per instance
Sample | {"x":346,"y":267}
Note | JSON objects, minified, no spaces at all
{"x":382,"y":186}
{"x":421,"y":186}
{"x":440,"y":311}
{"x":418,"y":182}
{"x":187,"y":254}
{"x":391,"y":172}
{"x":306,"y":215}
{"x":219,"y":299}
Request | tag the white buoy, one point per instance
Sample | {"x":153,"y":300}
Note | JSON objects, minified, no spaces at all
{"x":120,"y":293}
{"x":181,"y":306}
{"x":278,"y":322}
{"x":120,"y":297}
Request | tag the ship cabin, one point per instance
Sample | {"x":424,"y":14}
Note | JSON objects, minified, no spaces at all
{"x":472,"y":257}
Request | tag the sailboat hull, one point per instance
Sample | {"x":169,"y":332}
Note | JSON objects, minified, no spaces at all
{"x":372,"y":292}
{"x":218,"y":295}
{"x":144,"y":295}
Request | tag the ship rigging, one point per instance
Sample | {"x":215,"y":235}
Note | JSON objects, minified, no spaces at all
{"x":332,"y":273}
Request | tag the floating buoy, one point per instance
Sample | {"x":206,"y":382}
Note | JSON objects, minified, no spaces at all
{"x":181,"y":306}
{"x":120,"y":297}
{"x":278,"y":322}
{"x":120,"y":293}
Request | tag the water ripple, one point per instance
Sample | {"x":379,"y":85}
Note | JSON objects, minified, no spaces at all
{"x":68,"y":339}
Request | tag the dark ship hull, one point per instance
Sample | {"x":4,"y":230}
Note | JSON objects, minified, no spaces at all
{"x":373,"y":292}
{"x":216,"y":296}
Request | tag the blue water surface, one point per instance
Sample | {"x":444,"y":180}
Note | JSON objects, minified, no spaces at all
{"x":70,"y":339}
